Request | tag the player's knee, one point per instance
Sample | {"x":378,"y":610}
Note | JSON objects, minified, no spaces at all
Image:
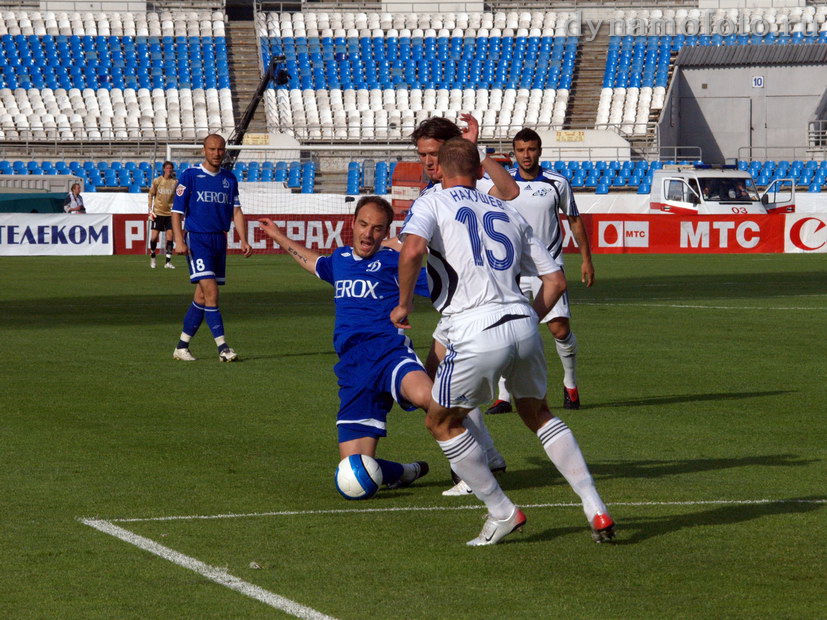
{"x":416,"y":389}
{"x":209,"y":292}
{"x":559,"y":328}
{"x":439,"y":422}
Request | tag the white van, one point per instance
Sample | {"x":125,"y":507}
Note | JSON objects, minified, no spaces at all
{"x":706,"y":190}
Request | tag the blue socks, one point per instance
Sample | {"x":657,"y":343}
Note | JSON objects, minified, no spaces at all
{"x":391,"y":472}
{"x":216,"y":325}
{"x":192,"y":321}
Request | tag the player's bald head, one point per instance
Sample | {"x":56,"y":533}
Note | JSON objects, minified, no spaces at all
{"x":459,"y":157}
{"x":212,"y":138}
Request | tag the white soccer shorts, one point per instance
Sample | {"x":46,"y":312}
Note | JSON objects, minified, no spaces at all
{"x":484,"y":345}
{"x":530,"y":286}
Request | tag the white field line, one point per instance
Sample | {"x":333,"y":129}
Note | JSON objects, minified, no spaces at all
{"x":634,"y":304}
{"x":290,"y":513}
{"x":222,"y":577}
{"x":218,"y":575}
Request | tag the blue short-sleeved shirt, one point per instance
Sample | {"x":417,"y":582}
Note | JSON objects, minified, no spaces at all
{"x":206,"y":199}
{"x":365,"y":292}
{"x":374,"y":356}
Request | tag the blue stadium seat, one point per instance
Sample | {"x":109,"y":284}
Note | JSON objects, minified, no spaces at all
{"x":294,"y":175}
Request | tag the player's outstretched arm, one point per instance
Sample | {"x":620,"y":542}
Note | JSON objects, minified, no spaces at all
{"x":554,"y":285}
{"x":505,"y":187}
{"x":178,"y":234}
{"x":304,"y":257}
{"x":579,"y":232}
{"x":410,"y":263}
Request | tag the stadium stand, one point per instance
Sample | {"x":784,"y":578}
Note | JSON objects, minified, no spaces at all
{"x":165,"y":76}
{"x":116,"y":76}
{"x":134,"y":176}
{"x":638,"y":68}
{"x":377,"y":75}
{"x":624,"y":175}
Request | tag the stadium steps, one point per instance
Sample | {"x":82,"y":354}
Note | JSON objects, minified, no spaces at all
{"x":588,"y":80}
{"x":242,"y":56}
{"x":330,"y":182}
{"x":646,"y":146}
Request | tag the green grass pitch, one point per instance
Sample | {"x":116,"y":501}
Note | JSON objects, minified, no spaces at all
{"x":703,"y":388}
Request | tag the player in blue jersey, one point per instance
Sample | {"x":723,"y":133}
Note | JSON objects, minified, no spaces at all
{"x":207,"y":201}
{"x":376,"y":362}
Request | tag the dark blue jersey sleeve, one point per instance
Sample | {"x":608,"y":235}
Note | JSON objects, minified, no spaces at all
{"x":324,"y":268}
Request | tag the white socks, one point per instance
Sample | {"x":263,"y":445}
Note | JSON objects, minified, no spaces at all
{"x":468,"y":461}
{"x":504,"y":394}
{"x":567,"y":350}
{"x":476,"y":426}
{"x":561,"y":446}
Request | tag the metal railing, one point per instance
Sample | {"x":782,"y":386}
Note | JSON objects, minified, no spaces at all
{"x":781,"y":152}
{"x":817,"y":135}
{"x":185,"y":5}
{"x":680,"y":153}
{"x":60,"y":139}
{"x":521,"y":5}
{"x":317,"y":138}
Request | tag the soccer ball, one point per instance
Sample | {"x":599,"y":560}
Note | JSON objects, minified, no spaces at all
{"x":358,"y":476}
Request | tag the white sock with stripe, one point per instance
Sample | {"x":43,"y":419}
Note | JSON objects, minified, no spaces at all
{"x":476,"y":426}
{"x":561,"y":446}
{"x":567,"y":350}
{"x":468,"y":461}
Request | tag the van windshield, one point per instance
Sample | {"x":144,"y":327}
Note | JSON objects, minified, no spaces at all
{"x":728,"y":190}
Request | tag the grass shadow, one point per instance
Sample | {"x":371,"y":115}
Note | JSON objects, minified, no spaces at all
{"x":635,"y":530}
{"x":545,"y":474}
{"x":139,"y":310}
{"x":687,"y":398}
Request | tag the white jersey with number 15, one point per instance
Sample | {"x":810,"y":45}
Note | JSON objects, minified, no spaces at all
{"x":478,"y":248}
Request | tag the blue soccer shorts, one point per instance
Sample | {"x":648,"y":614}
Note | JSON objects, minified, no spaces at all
{"x":367,"y":389}
{"x":207,"y":256}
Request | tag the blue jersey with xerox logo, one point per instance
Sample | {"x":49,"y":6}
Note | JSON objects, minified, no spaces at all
{"x":365,"y":292}
{"x":206,"y":199}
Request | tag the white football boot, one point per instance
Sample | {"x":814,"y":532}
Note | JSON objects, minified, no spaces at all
{"x":152,"y":263}
{"x":227,"y":355}
{"x":458,"y":490}
{"x":183,"y":355}
{"x":169,"y":266}
{"x":495,"y":530}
